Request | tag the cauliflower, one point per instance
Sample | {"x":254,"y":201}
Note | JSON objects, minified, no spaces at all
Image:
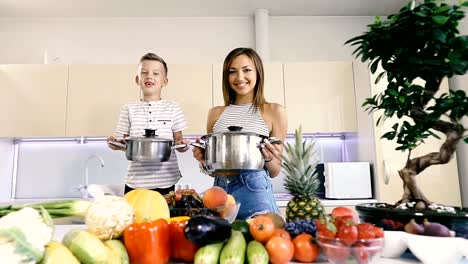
{"x":24,"y":234}
{"x":108,"y":216}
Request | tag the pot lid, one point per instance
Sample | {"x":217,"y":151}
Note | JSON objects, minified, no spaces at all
{"x":235,"y":130}
{"x":150,"y":136}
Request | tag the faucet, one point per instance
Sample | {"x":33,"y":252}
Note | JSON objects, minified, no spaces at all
{"x":81,"y":188}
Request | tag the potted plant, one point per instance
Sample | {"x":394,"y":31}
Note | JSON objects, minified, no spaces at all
{"x":420,"y":42}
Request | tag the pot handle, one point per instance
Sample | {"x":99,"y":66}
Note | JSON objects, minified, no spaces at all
{"x":272,"y":140}
{"x":117,"y":144}
{"x":198,"y":145}
{"x":179,"y":146}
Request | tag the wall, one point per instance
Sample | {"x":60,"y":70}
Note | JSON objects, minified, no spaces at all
{"x":6,"y":168}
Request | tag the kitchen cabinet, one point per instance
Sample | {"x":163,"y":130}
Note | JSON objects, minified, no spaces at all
{"x":96,"y":93}
{"x":273,"y":87}
{"x":440,"y":183}
{"x":33,"y":101}
{"x":320,"y":97}
{"x":190,"y":86}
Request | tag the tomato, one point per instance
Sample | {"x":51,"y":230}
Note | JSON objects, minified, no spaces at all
{"x":282,"y":233}
{"x":361,"y":253}
{"x":343,"y":220}
{"x":365,"y":231}
{"x":341,"y":211}
{"x":280,"y":250}
{"x":337,"y":251}
{"x":261,"y":228}
{"x":305,"y":250}
{"x":348,"y":234}
{"x":378,"y":232}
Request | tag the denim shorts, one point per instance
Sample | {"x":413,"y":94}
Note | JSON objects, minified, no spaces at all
{"x":253,"y":190}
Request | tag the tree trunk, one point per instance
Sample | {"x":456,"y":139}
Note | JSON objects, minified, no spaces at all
{"x":412,"y":192}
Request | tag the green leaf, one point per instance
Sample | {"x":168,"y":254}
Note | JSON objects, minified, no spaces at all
{"x":465,"y":3}
{"x":374,"y":66}
{"x":392,"y":92}
{"x":382,"y":74}
{"x":433,"y":134}
{"x":466,"y":140}
{"x":440,"y":20}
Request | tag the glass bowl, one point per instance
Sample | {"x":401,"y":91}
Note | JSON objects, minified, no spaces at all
{"x":340,"y":251}
{"x":230,"y":212}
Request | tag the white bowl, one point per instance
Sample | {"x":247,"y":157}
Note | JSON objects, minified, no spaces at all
{"x":435,"y":250}
{"x":394,"y":244}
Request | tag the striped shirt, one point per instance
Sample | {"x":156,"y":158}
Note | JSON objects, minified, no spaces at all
{"x":245,"y":115}
{"x":164,"y":116}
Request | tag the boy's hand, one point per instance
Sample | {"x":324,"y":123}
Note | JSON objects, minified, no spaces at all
{"x":199,"y":153}
{"x":183,"y":141}
{"x":114,"y":147}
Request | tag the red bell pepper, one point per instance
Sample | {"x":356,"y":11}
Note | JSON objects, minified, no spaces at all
{"x":148,"y":243}
{"x":181,"y":248}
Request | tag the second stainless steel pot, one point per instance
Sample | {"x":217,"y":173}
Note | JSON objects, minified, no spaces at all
{"x":234,"y":150}
{"x":149,"y":147}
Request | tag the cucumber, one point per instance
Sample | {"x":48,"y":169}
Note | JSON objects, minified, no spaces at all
{"x":256,"y":253}
{"x":118,"y":249}
{"x":234,"y":250}
{"x":208,"y":254}
{"x":87,"y":247}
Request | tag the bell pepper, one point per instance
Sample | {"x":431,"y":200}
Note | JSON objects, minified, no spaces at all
{"x":148,"y":243}
{"x":181,"y":248}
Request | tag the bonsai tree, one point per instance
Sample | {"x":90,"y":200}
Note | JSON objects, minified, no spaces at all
{"x":420,"y":41}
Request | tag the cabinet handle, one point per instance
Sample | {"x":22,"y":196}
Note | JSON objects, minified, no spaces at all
{"x":386,"y":172}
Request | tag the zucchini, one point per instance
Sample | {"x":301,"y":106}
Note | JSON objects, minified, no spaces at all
{"x":57,"y":253}
{"x":208,"y":254}
{"x":257,"y":253}
{"x":234,"y":250}
{"x":87,"y":247}
{"x":117,"y":247}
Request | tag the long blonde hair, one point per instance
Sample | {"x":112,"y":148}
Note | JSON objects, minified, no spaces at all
{"x":228,"y":93}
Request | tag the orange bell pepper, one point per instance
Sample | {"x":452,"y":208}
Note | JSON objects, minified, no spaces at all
{"x":181,"y":248}
{"x":148,"y":243}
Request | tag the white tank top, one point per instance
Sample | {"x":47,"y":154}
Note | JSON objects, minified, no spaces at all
{"x":246,"y":116}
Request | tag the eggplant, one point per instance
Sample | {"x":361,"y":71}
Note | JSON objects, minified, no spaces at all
{"x":204,"y":230}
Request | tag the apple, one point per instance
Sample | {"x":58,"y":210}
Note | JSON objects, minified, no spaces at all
{"x":345,"y":211}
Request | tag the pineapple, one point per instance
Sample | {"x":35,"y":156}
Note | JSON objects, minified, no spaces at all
{"x":299,"y":165}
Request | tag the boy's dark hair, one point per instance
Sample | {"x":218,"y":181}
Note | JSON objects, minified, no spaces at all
{"x":154,"y":57}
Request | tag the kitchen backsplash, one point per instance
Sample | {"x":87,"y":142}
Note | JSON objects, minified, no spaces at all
{"x":55,"y":168}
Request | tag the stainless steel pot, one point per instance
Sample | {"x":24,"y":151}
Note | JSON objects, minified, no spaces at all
{"x":234,"y":150}
{"x":149,"y":147}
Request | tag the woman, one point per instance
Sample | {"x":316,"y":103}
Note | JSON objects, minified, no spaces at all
{"x":245,"y":106}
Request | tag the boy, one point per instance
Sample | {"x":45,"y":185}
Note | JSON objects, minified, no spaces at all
{"x":152,"y":113}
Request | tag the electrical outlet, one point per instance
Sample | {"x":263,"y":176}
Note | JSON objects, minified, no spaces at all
{"x":183,"y":185}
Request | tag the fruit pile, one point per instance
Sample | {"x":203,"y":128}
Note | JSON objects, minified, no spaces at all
{"x":186,"y":202}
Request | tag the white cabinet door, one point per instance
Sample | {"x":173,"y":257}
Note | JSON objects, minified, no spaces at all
{"x":273,"y":87}
{"x":96,"y":93}
{"x":190,"y":86}
{"x":320,"y":96}
{"x":439,"y":183}
{"x":33,"y":100}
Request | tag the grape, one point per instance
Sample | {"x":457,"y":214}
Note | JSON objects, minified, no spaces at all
{"x":301,"y":226}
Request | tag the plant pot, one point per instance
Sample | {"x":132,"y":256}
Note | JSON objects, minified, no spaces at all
{"x":394,"y":219}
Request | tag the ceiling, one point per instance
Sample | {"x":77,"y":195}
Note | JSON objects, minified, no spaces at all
{"x":194,"y":8}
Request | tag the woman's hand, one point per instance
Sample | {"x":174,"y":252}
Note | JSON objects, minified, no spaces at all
{"x":183,"y":141}
{"x":271,"y":151}
{"x":199,"y":153}
{"x":114,"y":147}
{"x":272,"y":154}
